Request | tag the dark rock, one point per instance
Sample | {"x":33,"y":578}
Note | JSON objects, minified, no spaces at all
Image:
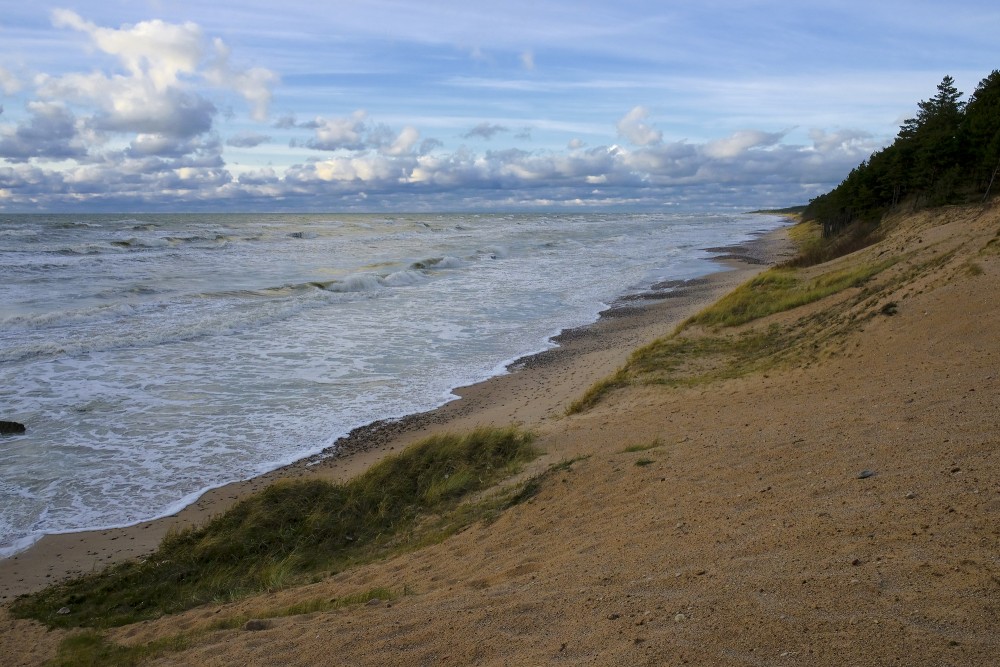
{"x":11,"y":428}
{"x":865,"y":474}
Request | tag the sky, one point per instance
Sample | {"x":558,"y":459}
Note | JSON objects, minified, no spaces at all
{"x":442,"y":105}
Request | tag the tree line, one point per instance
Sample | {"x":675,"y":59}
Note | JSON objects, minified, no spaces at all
{"x":948,"y":153}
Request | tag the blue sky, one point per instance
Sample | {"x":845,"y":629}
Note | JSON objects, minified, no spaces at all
{"x":129,"y":105}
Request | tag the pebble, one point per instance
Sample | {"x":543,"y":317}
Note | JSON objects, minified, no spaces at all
{"x":63,"y":611}
{"x":680,"y":617}
{"x":865,"y":474}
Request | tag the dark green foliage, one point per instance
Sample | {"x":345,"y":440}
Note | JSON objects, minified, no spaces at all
{"x":948,"y":153}
{"x":290,"y":530}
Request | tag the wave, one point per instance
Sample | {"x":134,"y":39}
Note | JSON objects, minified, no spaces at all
{"x":446,"y":262}
{"x":127,"y":326}
{"x":495,"y":252}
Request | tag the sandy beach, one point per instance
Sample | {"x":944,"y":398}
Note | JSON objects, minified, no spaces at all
{"x":838,"y":509}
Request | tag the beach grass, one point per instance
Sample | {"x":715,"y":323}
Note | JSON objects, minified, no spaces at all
{"x":733,"y":337}
{"x":779,"y":289}
{"x":631,"y":449}
{"x":92,"y":647}
{"x":294,"y":530}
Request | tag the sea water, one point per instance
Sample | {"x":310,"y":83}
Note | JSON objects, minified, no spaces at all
{"x":153,"y":357}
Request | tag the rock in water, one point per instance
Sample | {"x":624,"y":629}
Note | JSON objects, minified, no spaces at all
{"x":9,"y":428}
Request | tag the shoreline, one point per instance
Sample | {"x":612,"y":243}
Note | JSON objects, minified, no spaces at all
{"x":536,"y":390}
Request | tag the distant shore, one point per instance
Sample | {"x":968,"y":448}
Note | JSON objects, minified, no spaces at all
{"x":537,"y":391}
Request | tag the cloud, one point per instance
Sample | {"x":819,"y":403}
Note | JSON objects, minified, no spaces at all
{"x":9,"y":84}
{"x":253,"y":84}
{"x":740,"y":142}
{"x":404,"y":143}
{"x":485,"y":131}
{"x":748,"y":168}
{"x":163,"y":87}
{"x":824,"y":141}
{"x":247,"y":140}
{"x":50,"y":132}
{"x":164,"y":146}
{"x":528,"y":60}
{"x":128,"y":105}
{"x":346,"y":133}
{"x":632,"y":126}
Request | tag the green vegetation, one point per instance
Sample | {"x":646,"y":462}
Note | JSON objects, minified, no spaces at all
{"x":642,"y":463}
{"x":779,"y":289}
{"x":643,"y":448}
{"x":726,"y":341}
{"x":294,"y":530}
{"x":597,"y":391}
{"x":948,"y":153}
{"x":93,"y":648}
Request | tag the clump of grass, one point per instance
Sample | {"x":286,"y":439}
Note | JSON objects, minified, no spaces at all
{"x":644,"y":447}
{"x":973,"y":269}
{"x":310,"y":606}
{"x":92,"y":647}
{"x":807,"y":237}
{"x":779,"y":289}
{"x":682,"y":360}
{"x":286,"y":532}
{"x":815,"y":249}
{"x":773,"y":291}
{"x":642,"y":463}
{"x":597,"y":391}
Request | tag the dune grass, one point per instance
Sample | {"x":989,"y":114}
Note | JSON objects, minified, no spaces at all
{"x":654,"y":444}
{"x":291,"y":531}
{"x":700,"y":350}
{"x":779,"y":289}
{"x":92,"y":647}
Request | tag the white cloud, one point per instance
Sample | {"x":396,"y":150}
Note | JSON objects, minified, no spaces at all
{"x":160,"y":90}
{"x":404,"y":143}
{"x":528,"y":60}
{"x":824,"y":141}
{"x":339,"y":133}
{"x":253,"y":84}
{"x":740,"y":142}
{"x":154,"y":51}
{"x":9,"y":84}
{"x":632,"y":126}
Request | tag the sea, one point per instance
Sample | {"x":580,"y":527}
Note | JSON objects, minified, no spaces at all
{"x":154,"y":357}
